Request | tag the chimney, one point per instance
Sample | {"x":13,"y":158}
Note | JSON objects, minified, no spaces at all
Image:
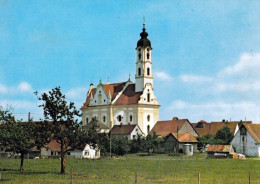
{"x":223,"y":120}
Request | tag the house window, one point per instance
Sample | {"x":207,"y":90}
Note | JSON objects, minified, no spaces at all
{"x":139,"y":71}
{"x":86,"y":120}
{"x":148,"y":71}
{"x":131,"y":118}
{"x":148,"y":97}
{"x":119,"y":118}
{"x":134,"y":136}
{"x":148,"y":118}
{"x":148,"y":128}
{"x":86,"y":153}
{"x":104,"y":119}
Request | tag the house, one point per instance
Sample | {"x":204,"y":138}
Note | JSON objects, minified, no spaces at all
{"x":247,"y":140}
{"x":174,"y":142}
{"x":102,"y":127}
{"x":219,"y":151}
{"x":51,"y":149}
{"x":90,"y":152}
{"x":204,"y":128}
{"x":164,"y":128}
{"x":126,"y":102}
{"x":129,"y":131}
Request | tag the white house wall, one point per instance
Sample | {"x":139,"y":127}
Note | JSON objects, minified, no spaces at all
{"x":251,"y":146}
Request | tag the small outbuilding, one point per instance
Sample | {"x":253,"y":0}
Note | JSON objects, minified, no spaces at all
{"x":177,"y":142}
{"x":219,"y":151}
{"x":129,"y":131}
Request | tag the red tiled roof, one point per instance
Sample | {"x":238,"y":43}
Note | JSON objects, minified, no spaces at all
{"x":164,"y":128}
{"x":54,"y":146}
{"x":185,"y":137}
{"x":129,"y":96}
{"x":219,"y":148}
{"x":122,"y":129}
{"x":254,"y":130}
{"x":204,"y":128}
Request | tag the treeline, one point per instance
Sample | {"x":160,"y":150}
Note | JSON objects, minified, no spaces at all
{"x":120,"y":145}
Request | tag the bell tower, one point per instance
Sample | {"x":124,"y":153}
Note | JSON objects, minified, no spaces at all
{"x":144,"y":72}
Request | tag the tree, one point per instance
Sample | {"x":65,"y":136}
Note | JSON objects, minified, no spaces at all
{"x":20,"y":136}
{"x":151,"y":143}
{"x":65,"y":128}
{"x":223,"y":136}
{"x":120,"y":145}
{"x":136,"y":144}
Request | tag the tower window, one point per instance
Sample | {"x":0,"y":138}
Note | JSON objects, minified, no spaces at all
{"x":148,"y":97}
{"x":148,"y":71}
{"x":148,"y":128}
{"x":148,"y":55}
{"x":131,"y":118}
{"x":139,"y":71}
{"x":86,"y":120}
{"x":148,"y":118}
{"x":139,"y":56}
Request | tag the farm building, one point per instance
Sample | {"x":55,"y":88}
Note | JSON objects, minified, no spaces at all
{"x":204,"y":128}
{"x":129,"y":131}
{"x":174,"y":142}
{"x":247,"y":140}
{"x":164,"y":128}
{"x":90,"y":152}
{"x":217,"y":151}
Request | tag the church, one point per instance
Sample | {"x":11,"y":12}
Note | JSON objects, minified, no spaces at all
{"x":126,"y":103}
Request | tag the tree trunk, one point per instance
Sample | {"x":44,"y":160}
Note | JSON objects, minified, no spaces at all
{"x":22,"y":159}
{"x":62,"y":154}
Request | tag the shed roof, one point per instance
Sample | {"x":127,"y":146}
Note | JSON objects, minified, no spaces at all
{"x":184,"y":137}
{"x":219,"y":148}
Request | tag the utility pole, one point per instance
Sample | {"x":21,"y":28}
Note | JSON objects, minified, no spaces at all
{"x":29,"y":116}
{"x":110,"y":146}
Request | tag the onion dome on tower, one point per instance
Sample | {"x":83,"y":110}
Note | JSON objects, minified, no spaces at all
{"x":144,"y":42}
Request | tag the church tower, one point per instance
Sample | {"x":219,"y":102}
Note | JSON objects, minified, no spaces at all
{"x":144,"y":74}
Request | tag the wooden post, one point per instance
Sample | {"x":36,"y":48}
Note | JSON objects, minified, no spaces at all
{"x":0,"y":177}
{"x":249,"y":178}
{"x":71,"y":176}
{"x":135,"y":177}
{"x":199,"y":178}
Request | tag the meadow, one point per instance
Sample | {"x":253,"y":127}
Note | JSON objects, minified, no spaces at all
{"x":126,"y":169}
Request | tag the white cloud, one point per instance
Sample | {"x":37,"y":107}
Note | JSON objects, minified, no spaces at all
{"x":238,"y":87}
{"x":3,"y":89}
{"x":25,"y":87}
{"x":195,"y":78}
{"x":215,"y":111}
{"x":163,"y":76}
{"x":246,"y":63}
{"x":76,"y":93}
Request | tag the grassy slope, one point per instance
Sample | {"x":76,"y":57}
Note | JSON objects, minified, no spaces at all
{"x":150,"y":169}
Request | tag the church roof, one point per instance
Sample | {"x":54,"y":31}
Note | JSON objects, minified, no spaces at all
{"x":128,"y":96}
{"x":144,"y":42}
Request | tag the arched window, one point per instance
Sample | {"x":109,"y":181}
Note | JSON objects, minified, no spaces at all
{"x":148,"y":71}
{"x":119,"y":118}
{"x":148,"y":118}
{"x":148,"y":97}
{"x":148,"y":55}
{"x":139,"y":71}
{"x":104,"y":119}
{"x":148,"y":128}
{"x":131,"y":118}
{"x":139,"y":56}
{"x":86,"y":120}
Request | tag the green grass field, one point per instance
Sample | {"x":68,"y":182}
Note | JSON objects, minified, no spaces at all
{"x":149,"y":169}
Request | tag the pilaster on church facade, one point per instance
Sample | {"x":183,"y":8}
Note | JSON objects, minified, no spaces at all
{"x":126,"y":102}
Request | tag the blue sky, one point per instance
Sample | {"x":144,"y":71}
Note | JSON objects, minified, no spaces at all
{"x":206,"y":54}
